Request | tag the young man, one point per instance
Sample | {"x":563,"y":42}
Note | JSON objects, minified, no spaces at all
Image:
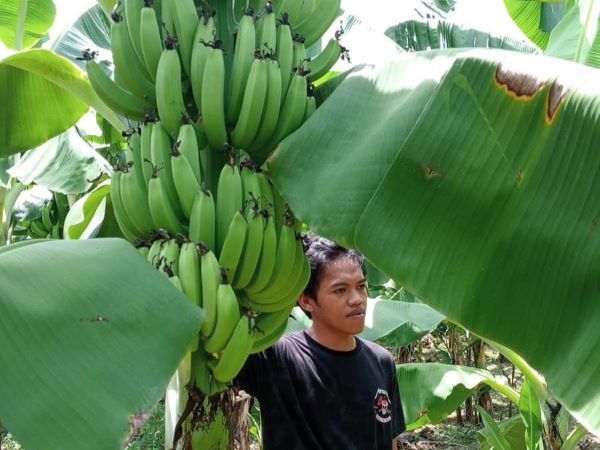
{"x":325,"y":388}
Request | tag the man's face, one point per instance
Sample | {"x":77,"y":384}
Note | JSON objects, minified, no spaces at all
{"x":341,"y":298}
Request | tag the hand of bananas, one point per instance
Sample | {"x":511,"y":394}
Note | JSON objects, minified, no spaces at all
{"x":234,"y":251}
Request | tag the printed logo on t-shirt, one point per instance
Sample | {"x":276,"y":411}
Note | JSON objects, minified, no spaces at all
{"x":383,"y":406}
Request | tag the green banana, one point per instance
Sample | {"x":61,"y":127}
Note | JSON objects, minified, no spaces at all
{"x":202,"y":375}
{"x":292,"y":112}
{"x":252,"y":248}
{"x":154,"y":252}
{"x":175,"y":281}
{"x":134,"y":146}
{"x":285,"y":54}
{"x":268,"y":323}
{"x":143,"y":249}
{"x":135,"y":202}
{"x":37,"y":230}
{"x":264,"y":342}
{"x":228,"y":316}
{"x":117,"y":98}
{"x":266,"y":261}
{"x":160,"y":151}
{"x":291,"y":7}
{"x":169,"y":97}
{"x":235,"y":352}
{"x":169,"y":258}
{"x":202,"y":219}
{"x":210,"y":273}
{"x":146,"y":151}
{"x":324,"y":61}
{"x":185,"y":181}
{"x":133,"y":10}
{"x":213,"y":99}
{"x":205,"y":33}
{"x":252,"y":105}
{"x":270,"y":112}
{"x":233,"y":245}
{"x":185,"y":19}
{"x":243,"y":56}
{"x":151,"y":41}
{"x":266,"y":29}
{"x":321,"y":18}
{"x":127,"y":227}
{"x":299,"y":52}
{"x":308,"y":6}
{"x":161,"y":209}
{"x":310,"y":108}
{"x":250,"y":184}
{"x":266,"y":192}
{"x":229,"y":200}
{"x":189,"y":272}
{"x":279,"y":211}
{"x":286,"y":252}
{"x":188,"y":145}
{"x":47,"y":216}
{"x":127,"y":63}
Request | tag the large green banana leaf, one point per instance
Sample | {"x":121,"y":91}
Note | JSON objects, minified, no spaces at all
{"x":90,"y":31}
{"x":395,"y":322}
{"x":24,"y":22}
{"x":417,"y":35}
{"x":470,"y":177}
{"x":536,"y":18}
{"x":43,"y":95}
{"x":64,"y":164}
{"x":90,"y":334}
{"x":430,"y":392}
{"x":577,"y":35}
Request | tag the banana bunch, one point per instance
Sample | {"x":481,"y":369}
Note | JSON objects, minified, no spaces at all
{"x":190,"y":192}
{"x":169,"y":59}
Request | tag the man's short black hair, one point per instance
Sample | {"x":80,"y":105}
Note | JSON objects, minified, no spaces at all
{"x":321,"y":252}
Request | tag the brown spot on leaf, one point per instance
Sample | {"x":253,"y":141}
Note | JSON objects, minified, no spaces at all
{"x":136,"y":421}
{"x":520,"y":176}
{"x":518,"y":83}
{"x":558,"y":91}
{"x":430,"y":172}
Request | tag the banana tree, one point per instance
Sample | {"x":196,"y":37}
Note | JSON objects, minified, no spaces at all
{"x":418,"y":78}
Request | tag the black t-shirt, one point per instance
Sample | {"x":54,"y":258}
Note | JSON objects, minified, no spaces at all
{"x":315,"y":398}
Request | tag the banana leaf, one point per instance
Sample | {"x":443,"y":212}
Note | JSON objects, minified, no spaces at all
{"x":536,"y":18}
{"x":90,"y":335}
{"x":90,"y":31}
{"x":430,"y":392}
{"x":43,"y":95}
{"x":513,"y":430}
{"x":470,"y":178}
{"x":64,"y":164}
{"x":5,"y":164}
{"x":28,"y":205}
{"x":395,"y":323}
{"x":24,"y":22}
{"x":418,"y":35}
{"x":577,"y":37}
{"x":493,"y":432}
{"x":86,"y":216}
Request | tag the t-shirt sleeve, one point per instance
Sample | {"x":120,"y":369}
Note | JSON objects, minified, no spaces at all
{"x":397,"y":414}
{"x":257,"y":370}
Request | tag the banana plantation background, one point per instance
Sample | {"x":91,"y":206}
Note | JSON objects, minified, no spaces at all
{"x":454,"y":144}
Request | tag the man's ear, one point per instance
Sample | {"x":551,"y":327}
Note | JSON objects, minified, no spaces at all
{"x":306,"y":302}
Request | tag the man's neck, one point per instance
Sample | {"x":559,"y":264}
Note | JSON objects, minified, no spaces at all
{"x":338,"y":342}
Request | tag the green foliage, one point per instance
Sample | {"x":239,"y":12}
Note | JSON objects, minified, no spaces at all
{"x":24,"y":22}
{"x":88,"y":347}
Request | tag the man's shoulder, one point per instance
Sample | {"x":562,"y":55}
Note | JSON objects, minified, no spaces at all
{"x":375,"y":349}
